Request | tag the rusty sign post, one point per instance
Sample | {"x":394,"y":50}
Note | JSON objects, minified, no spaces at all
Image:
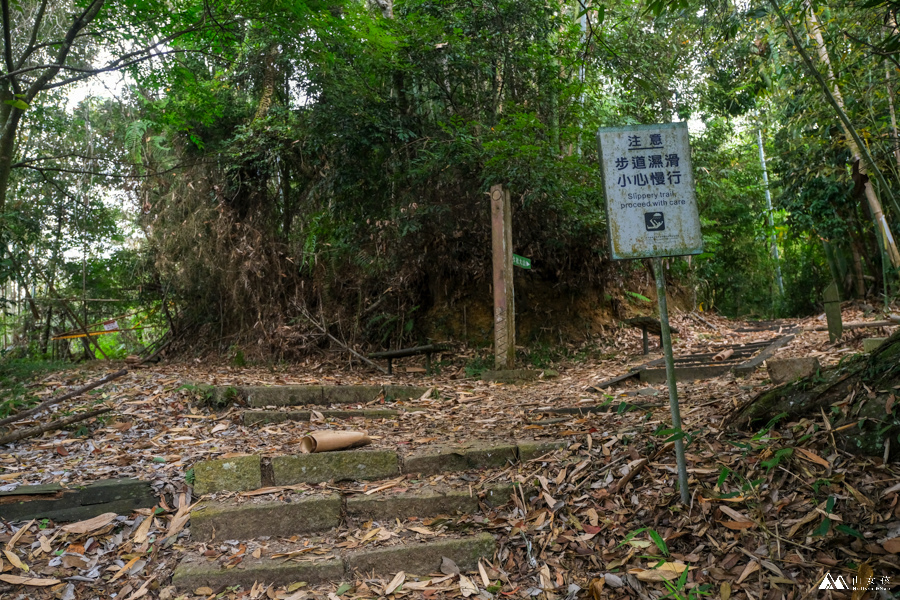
{"x":651,"y":212}
{"x":504,"y":294}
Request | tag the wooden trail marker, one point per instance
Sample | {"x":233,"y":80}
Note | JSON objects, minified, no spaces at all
{"x":504,"y":295}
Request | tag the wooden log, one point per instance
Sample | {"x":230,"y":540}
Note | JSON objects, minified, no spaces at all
{"x":409,"y":351}
{"x":894,"y":320}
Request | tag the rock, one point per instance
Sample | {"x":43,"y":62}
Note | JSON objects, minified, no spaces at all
{"x":790,"y":369}
{"x":872,"y":344}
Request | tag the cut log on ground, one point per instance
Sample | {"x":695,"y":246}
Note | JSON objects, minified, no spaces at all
{"x":859,"y":395}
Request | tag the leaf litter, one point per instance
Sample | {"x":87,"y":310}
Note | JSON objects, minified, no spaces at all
{"x":771,"y":512}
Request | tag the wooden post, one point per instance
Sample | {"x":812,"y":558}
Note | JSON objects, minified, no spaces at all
{"x":504,"y":295}
{"x":833,"y":312}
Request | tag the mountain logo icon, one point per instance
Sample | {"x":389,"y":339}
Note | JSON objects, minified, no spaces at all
{"x":833,"y":583}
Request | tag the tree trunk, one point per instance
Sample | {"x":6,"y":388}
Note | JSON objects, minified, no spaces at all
{"x":890,"y":90}
{"x":874,"y":203}
{"x":9,"y":121}
{"x":860,"y":388}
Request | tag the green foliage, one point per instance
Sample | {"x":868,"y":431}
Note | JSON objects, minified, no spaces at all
{"x":736,"y":271}
{"x":779,"y":456}
{"x":15,"y":375}
{"x":479,"y":364}
{"x":637,"y":296}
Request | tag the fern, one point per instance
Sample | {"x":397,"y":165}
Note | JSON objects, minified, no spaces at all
{"x":134,"y":135}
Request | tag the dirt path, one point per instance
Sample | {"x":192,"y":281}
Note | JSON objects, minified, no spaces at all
{"x":771,"y":512}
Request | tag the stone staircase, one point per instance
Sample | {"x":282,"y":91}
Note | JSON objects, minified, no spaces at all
{"x":319,"y":518}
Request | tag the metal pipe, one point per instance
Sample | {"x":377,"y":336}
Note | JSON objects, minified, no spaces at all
{"x":666,"y":335}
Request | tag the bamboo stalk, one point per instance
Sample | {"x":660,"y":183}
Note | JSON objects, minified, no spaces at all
{"x":856,"y":144}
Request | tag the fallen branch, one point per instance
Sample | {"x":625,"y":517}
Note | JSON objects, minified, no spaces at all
{"x":53,"y":401}
{"x":342,"y":344}
{"x":700,"y":319}
{"x":52,"y":426}
{"x":620,"y":485}
{"x":894,"y":320}
{"x":156,"y":354}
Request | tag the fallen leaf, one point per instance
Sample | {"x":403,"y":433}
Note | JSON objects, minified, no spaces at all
{"x":395,"y":583}
{"x":813,"y":457}
{"x":738,"y":525}
{"x":668,"y":571}
{"x":127,"y":568}
{"x":725,"y":591}
{"x":467,"y":587}
{"x":751,"y":568}
{"x":90,"y":525}
{"x":33,"y":581}
{"x":204,"y":591}
{"x":448,"y":567}
{"x":15,"y":560}
{"x":892,"y":545}
{"x":864,"y":575}
{"x":737,"y":516}
{"x":17,"y":535}
{"x":143,"y":531}
{"x":484,"y":576}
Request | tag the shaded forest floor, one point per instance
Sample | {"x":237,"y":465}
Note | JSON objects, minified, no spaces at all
{"x":771,"y":512}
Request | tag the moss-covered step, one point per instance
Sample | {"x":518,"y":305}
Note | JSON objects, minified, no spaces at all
{"x":243,"y":519}
{"x":244,"y":473}
{"x":413,"y":557}
{"x":252,"y":519}
{"x":348,"y":465}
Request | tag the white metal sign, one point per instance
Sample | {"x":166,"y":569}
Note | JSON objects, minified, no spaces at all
{"x":651,"y":209}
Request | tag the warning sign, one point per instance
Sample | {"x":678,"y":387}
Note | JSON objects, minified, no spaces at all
{"x":649,"y":187}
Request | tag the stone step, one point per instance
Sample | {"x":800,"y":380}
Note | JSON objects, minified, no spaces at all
{"x":298,"y":514}
{"x":318,"y":395}
{"x":245,"y":473}
{"x":412,"y":556}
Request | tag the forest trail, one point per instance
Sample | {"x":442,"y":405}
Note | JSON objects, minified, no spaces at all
{"x":771,"y":513}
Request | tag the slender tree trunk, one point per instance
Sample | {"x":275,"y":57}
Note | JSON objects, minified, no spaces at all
{"x":890,"y":89}
{"x":265,"y":100}
{"x":7,"y":151}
